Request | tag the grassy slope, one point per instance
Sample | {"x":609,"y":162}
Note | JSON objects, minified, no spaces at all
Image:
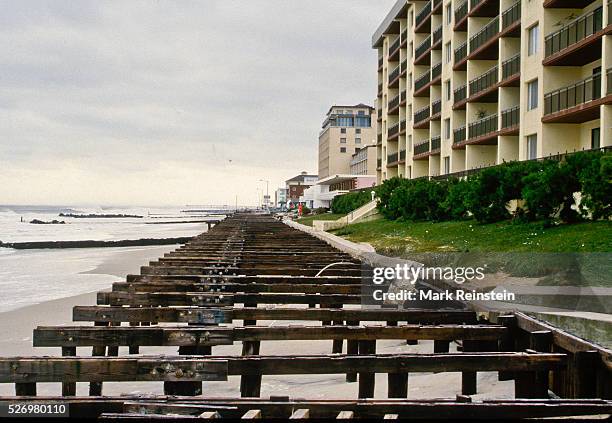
{"x":327,"y":216}
{"x":471,"y":236}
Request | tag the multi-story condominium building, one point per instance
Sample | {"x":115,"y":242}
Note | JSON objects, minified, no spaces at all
{"x":363,"y":162}
{"x":464,"y":84}
{"x":345,"y":130}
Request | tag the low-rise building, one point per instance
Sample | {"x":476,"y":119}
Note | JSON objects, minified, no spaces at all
{"x":363,"y":162}
{"x":324,"y":191}
{"x":298,"y":184}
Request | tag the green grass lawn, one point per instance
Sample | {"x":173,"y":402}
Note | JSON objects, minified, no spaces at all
{"x":474,"y":237}
{"x":327,"y":216}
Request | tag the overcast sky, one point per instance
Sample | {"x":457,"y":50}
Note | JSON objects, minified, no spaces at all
{"x":173,"y":102}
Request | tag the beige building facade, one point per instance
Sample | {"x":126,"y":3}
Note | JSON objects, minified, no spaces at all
{"x":363,"y":162}
{"x":465,"y":84}
{"x":346,"y":130}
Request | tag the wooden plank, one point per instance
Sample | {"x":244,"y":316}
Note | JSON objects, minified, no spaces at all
{"x":210,"y":415}
{"x":345,"y":415}
{"x":302,"y":413}
{"x":252,"y":414}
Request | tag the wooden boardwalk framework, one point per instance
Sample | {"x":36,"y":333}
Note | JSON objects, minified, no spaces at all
{"x":217,"y":290}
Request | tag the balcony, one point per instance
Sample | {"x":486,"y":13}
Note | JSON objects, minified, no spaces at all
{"x":564,"y":4}
{"x":421,"y":82}
{"x":421,"y":116}
{"x":402,"y":156}
{"x":394,"y":77}
{"x":436,"y":108}
{"x":436,"y":72}
{"x":379,"y":114}
{"x":393,"y":105}
{"x":403,"y":98}
{"x":459,"y":95}
{"x":421,"y":148}
{"x":421,"y":51}
{"x":435,"y":144}
{"x":404,"y":38}
{"x":380,"y":90}
{"x":485,"y":83}
{"x":609,"y":84}
{"x":459,"y":135}
{"x":392,"y":159}
{"x":483,"y":129}
{"x":379,"y":139}
{"x":488,"y":8}
{"x":402,"y":128}
{"x":437,"y":37}
{"x":378,"y":164}
{"x":380,"y":63}
{"x":394,"y":49}
{"x":393,"y":132}
{"x":461,"y":53}
{"x":577,"y":43}
{"x":403,"y":67}
{"x":461,"y":13}
{"x":423,"y":19}
{"x":511,"y":15}
{"x":511,"y":70}
{"x":510,"y":120}
{"x":576,"y":103}
{"x":481,"y":38}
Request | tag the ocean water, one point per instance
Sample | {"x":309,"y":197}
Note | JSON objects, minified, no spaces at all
{"x":34,"y":276}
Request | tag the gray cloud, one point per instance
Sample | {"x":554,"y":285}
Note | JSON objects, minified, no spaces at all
{"x":159,"y":102}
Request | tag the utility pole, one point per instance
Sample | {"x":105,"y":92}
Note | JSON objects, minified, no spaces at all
{"x":267,"y":197}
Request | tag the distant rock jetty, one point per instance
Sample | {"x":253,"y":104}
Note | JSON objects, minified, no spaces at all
{"x":53,"y":222}
{"x":99,"y":216}
{"x":94,"y":244}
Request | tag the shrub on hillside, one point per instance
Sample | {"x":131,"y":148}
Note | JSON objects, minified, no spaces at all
{"x":455,"y":205}
{"x":418,"y":199}
{"x":346,"y":203}
{"x":383,"y":193}
{"x":596,"y":186}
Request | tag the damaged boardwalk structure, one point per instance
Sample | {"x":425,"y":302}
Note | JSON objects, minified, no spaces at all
{"x":224,"y":285}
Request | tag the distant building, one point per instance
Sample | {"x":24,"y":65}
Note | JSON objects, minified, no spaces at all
{"x":363,"y":162}
{"x":296,"y":186}
{"x":346,"y":129}
{"x":322,"y":194}
{"x":280,"y":197}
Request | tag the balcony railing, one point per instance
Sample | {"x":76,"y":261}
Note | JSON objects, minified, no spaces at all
{"x":461,"y":11}
{"x":380,"y":89}
{"x":459,"y":135}
{"x":461,"y":52}
{"x":422,"y":80}
{"x":584,"y":91}
{"x":423,"y":47}
{"x":379,"y":114}
{"x":510,"y":117}
{"x":511,"y":67}
{"x":403,"y":96}
{"x":511,"y":15}
{"x":378,"y":163}
{"x":460,"y":94}
{"x":420,"y":17}
{"x":574,"y":32}
{"x":402,"y":155}
{"x":482,"y":127}
{"x":404,"y":67}
{"x":421,"y":114}
{"x":422,"y":147}
{"x":404,"y":36}
{"x":380,"y":62}
{"x":392,"y":158}
{"x":484,"y":81}
{"x":394,"y":75}
{"x":437,"y":35}
{"x":436,"y":107}
{"x":402,"y":127}
{"x":436,"y":71}
{"x":379,"y":139}
{"x":395,"y":46}
{"x":395,"y":101}
{"x":474,"y":3}
{"x":484,"y":35}
{"x":609,"y":84}
{"x":393,"y":130}
{"x":435,"y":143}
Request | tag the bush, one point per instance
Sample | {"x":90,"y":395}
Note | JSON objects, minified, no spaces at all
{"x":596,"y":186}
{"x":455,"y":203}
{"x":344,"y":204}
{"x":418,"y":199}
{"x":384,"y":191}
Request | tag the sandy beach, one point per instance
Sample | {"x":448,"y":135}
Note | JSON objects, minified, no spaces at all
{"x":16,"y":339}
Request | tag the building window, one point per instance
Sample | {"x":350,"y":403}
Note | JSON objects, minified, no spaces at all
{"x":533,"y":36}
{"x":358,"y":131}
{"x":595,"y":138}
{"x":449,"y":55}
{"x":447,"y":165}
{"x":343,"y":149}
{"x":447,"y":89}
{"x":449,"y":14}
{"x":356,"y":150}
{"x":532,"y":94}
{"x":343,"y":140}
{"x":447,"y":129}
{"x":532,"y":147}
{"x":343,"y":131}
{"x":361,"y":113}
{"x":357,"y":140}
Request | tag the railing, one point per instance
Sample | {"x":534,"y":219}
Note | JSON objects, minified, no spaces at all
{"x":588,"y":89}
{"x":482,"y":127}
{"x":402,"y":155}
{"x":380,"y":62}
{"x":394,"y":75}
{"x":459,"y":135}
{"x":460,"y":94}
{"x":380,"y":89}
{"x":392,"y":158}
{"x":403,"y":67}
{"x":510,"y":117}
{"x":402,"y":127}
{"x":474,"y":3}
{"x":609,"y":12}
{"x":395,"y":46}
{"x":574,"y":32}
{"x":436,"y":71}
{"x":511,"y":15}
{"x":484,"y":81}
{"x":422,"y":147}
{"x":437,"y":35}
{"x":379,"y":139}
{"x":609,"y":84}
{"x":436,"y":3}
{"x":420,"y":17}
{"x":393,"y":130}
{"x":402,"y":96}
{"x":395,"y":101}
{"x":404,"y":36}
{"x":435,"y":143}
{"x":423,"y":47}
{"x":436,"y":107}
{"x":421,"y":114}
{"x":461,"y":11}
{"x":379,"y":114}
{"x":461,"y":52}
{"x":421,"y":81}
{"x":484,"y":35}
{"x":511,"y":67}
